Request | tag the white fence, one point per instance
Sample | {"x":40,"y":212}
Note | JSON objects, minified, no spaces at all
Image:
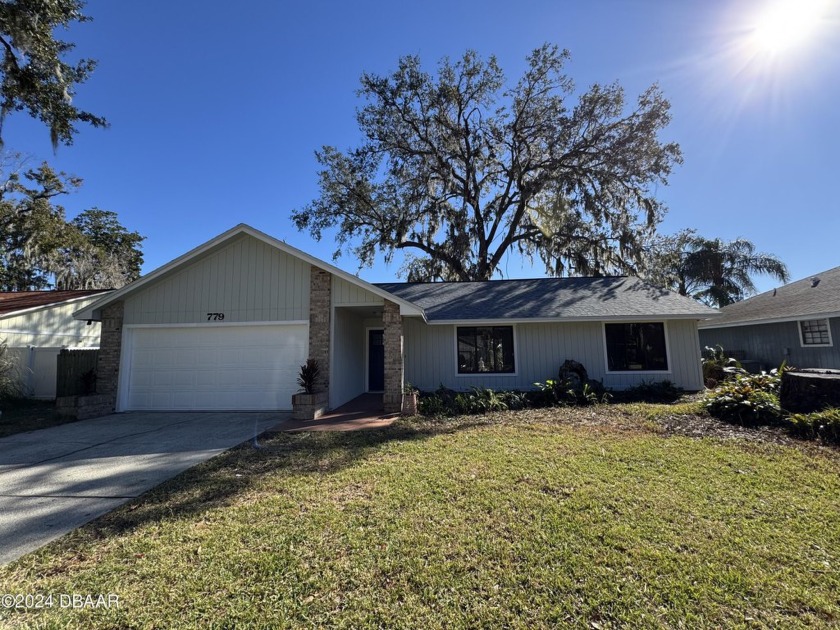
{"x":36,"y":369}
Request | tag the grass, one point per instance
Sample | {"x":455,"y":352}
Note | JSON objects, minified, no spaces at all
{"x":514,"y":519}
{"x":27,"y":414}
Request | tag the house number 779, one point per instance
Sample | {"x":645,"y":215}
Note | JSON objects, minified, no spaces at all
{"x":215,"y":317}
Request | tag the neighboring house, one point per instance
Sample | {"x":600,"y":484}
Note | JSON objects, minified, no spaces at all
{"x":227,"y":325}
{"x":798,"y":323}
{"x":36,"y":325}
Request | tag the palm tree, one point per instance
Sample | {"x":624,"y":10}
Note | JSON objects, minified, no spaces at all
{"x":713,"y":271}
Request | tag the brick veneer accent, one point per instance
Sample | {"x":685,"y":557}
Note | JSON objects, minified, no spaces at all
{"x":108,"y":363}
{"x":393,"y":339}
{"x":320,"y":305}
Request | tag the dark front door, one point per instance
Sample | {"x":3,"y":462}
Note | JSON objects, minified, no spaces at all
{"x":376,"y":361}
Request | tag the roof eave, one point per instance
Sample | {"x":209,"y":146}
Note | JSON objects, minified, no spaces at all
{"x":770,"y":320}
{"x":40,"y":307}
{"x":570,"y":320}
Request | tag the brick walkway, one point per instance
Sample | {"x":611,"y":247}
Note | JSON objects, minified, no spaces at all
{"x":363,"y":412}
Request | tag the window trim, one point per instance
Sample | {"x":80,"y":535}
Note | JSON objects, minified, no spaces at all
{"x":802,"y":343}
{"x":515,"y":335}
{"x":665,"y":332}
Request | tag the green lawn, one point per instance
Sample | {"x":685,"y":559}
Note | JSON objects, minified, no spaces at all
{"x":591,"y":518}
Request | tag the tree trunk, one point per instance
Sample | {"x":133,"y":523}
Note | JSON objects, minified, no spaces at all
{"x":805,"y":391}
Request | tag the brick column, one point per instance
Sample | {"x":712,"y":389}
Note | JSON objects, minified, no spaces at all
{"x":320,"y":305}
{"x":393,"y":333}
{"x":110,"y":350}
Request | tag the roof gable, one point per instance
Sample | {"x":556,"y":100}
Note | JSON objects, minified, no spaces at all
{"x":94,"y":310}
{"x":815,"y":296}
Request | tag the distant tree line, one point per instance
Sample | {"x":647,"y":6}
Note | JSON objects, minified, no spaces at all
{"x":41,"y":249}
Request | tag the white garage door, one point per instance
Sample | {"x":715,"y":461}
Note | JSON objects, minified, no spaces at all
{"x":219,"y":368}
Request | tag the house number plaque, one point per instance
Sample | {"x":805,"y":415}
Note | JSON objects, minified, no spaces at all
{"x":215,"y":317}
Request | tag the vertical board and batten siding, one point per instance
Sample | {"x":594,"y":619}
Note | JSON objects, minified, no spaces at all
{"x":770,"y":344}
{"x":347,"y":294}
{"x":348,"y":359}
{"x":540,"y":349}
{"x":247,"y":280}
{"x":348,"y":365}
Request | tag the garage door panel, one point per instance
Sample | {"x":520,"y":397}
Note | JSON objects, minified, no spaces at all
{"x":218,"y":368}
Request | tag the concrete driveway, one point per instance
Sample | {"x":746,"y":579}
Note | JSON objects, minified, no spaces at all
{"x":53,"y":480}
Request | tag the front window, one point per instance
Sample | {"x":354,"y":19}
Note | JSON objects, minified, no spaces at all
{"x":485,"y":349}
{"x":636,"y":347}
{"x":815,"y":332}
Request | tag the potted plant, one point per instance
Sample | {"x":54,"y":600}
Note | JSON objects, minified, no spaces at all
{"x":308,"y":404}
{"x":409,"y":400}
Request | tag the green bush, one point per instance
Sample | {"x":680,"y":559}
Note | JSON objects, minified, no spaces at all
{"x":652,"y":392}
{"x":717,"y":366}
{"x":822,"y":424}
{"x":747,"y":399}
{"x":448,"y":402}
{"x":9,"y":382}
{"x":557,"y":393}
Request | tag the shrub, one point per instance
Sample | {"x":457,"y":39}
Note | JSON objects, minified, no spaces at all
{"x":652,"y":392}
{"x":307,"y":376}
{"x":717,"y":367}
{"x":823,"y":424}
{"x":747,"y":399}
{"x":9,"y":382}
{"x":477,"y":400}
{"x":553,"y":393}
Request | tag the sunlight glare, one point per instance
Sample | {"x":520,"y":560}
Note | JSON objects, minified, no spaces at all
{"x":786,"y":24}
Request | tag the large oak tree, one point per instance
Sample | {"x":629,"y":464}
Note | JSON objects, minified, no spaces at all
{"x":459,"y":167}
{"x":35,"y":74}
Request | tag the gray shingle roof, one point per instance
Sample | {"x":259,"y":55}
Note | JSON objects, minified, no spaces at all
{"x":797,"y":300}
{"x":546,"y":298}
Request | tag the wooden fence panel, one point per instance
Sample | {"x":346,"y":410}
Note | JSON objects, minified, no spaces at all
{"x":75,"y":372}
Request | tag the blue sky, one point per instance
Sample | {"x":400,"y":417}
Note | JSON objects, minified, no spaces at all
{"x":216,"y":109}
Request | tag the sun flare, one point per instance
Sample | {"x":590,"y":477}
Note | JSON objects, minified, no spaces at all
{"x":787,"y":24}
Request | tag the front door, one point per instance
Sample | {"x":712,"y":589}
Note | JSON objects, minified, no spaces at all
{"x":376,"y":361}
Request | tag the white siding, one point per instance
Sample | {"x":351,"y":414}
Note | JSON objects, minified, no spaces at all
{"x":347,"y":294}
{"x":36,"y":337}
{"x":247,"y":280}
{"x":348,"y":359}
{"x":51,"y":326}
{"x":540,"y":349}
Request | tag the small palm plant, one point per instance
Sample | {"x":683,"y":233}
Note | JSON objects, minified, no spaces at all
{"x":307,"y":376}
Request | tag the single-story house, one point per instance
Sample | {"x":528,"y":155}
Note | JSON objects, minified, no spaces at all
{"x":36,"y":325}
{"x":227,"y":325}
{"x":797,"y":323}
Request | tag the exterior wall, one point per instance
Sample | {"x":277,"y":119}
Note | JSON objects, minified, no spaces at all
{"x":36,"y":337}
{"x":770,"y":344}
{"x":346,"y":294}
{"x":540,"y":349}
{"x":247,"y":280}
{"x":51,"y":326}
{"x":348,"y":360}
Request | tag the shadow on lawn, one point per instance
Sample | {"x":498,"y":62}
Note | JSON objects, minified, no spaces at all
{"x":216,"y":482}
